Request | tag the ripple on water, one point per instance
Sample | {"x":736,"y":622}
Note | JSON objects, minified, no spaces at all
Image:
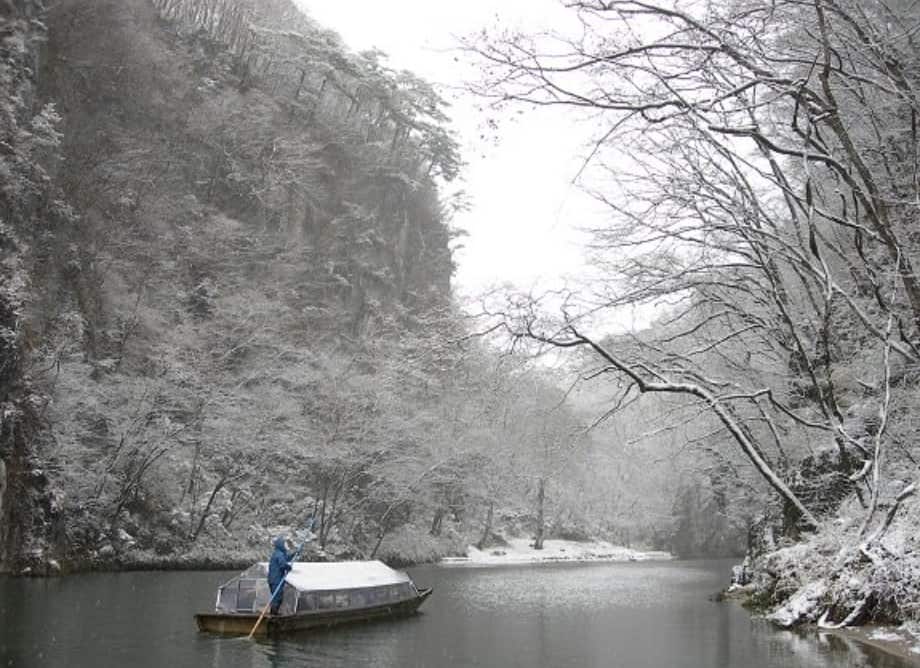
{"x":569,"y":587}
{"x":615,"y":615}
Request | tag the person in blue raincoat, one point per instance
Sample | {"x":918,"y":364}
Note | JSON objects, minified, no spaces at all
{"x":278,"y":566}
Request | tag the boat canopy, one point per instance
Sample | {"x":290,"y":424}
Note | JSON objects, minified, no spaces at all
{"x":317,"y":586}
{"x":309,"y":576}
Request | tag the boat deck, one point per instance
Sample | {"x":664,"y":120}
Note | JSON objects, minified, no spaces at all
{"x":242,"y":623}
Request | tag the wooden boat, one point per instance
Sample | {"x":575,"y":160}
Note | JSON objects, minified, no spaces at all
{"x":316,"y":595}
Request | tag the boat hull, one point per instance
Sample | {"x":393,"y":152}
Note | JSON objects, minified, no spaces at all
{"x":241,"y":624}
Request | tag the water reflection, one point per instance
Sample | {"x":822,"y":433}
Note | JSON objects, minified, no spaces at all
{"x":563,"y":615}
{"x":811,"y":649}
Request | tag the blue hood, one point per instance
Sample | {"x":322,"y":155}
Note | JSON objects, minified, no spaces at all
{"x":279,"y":542}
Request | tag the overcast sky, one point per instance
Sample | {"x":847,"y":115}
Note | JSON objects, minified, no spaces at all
{"x":525,"y":214}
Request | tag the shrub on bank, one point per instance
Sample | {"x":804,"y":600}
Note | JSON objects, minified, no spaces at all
{"x":834,"y":577}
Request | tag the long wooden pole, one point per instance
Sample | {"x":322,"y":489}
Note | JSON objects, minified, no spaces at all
{"x":283,"y":579}
{"x":267,"y":606}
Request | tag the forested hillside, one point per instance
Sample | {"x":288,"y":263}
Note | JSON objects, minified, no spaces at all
{"x":210,"y":321}
{"x":227,"y":306}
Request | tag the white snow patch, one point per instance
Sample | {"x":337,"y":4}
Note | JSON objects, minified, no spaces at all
{"x":912,"y":631}
{"x":802,"y":605}
{"x":519,"y":551}
{"x":886,"y":636}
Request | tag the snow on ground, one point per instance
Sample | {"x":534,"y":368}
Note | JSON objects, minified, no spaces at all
{"x":888,"y":636}
{"x":803,"y":605}
{"x":519,"y":551}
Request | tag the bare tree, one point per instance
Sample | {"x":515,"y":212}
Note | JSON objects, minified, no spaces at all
{"x":763,"y":156}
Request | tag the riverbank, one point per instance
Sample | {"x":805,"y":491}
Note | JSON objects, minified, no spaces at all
{"x":407,"y":546}
{"x":520,"y":551}
{"x":840,"y":576}
{"x":900,"y":641}
{"x":402,"y":549}
{"x":144,"y":561}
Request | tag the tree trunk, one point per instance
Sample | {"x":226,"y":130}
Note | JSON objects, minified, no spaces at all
{"x":227,"y":517}
{"x":380,"y":536}
{"x":330,"y":520}
{"x":193,"y":474}
{"x":322,"y":516}
{"x":541,"y":496}
{"x":2,"y":487}
{"x":303,"y":74}
{"x":382,"y":531}
{"x":436,"y":522}
{"x":487,"y":529}
{"x":207,"y":508}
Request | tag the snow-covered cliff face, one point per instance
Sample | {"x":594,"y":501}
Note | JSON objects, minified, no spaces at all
{"x":26,"y":203}
{"x":225,"y":237}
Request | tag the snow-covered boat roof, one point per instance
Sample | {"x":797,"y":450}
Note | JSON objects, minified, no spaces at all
{"x":321,"y":576}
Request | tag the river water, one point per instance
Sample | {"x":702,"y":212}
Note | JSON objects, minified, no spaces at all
{"x":613,"y":615}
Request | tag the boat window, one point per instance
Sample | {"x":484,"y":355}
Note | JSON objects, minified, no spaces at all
{"x":247,"y":595}
{"x":359,"y":598}
{"x":306,"y":600}
{"x":325,"y":600}
{"x":226,"y":598}
{"x":393,"y":592}
{"x":377,"y":595}
{"x":341,"y":599}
